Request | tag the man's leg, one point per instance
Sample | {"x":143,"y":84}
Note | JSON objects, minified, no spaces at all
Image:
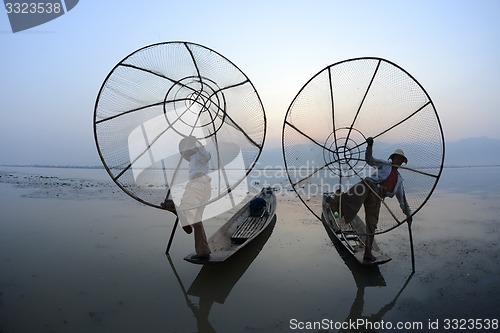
{"x":351,"y":201}
{"x":200,"y":237}
{"x":372,"y":210}
{"x":200,"y":240}
{"x":197,"y":194}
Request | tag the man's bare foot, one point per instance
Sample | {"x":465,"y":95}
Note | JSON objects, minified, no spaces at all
{"x":188,"y":229}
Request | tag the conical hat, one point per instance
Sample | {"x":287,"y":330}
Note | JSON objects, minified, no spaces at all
{"x":400,"y":153}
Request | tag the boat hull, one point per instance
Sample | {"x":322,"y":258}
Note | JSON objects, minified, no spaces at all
{"x":241,"y":229}
{"x":351,"y":235}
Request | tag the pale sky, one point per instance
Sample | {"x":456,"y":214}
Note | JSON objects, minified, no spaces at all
{"x":51,"y":74}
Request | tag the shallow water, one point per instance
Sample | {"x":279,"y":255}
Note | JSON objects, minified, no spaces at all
{"x":78,"y":255}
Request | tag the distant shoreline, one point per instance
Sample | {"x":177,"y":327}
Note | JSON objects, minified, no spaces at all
{"x":260,"y":169}
{"x":52,"y":166}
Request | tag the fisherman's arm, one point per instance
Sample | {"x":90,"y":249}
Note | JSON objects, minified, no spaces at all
{"x":369,"y":152}
{"x":403,"y":203}
{"x":370,"y":160}
{"x":203,"y":154}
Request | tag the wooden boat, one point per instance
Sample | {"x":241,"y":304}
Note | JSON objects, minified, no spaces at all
{"x":350,"y":235}
{"x":241,"y":229}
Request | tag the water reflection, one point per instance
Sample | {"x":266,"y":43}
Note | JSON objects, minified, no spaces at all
{"x":364,"y":276}
{"x":215,"y":282}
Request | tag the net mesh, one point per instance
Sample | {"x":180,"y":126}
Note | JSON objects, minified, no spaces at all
{"x":168,"y":91}
{"x":326,"y":126}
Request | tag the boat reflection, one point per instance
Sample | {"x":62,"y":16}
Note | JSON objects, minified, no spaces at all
{"x":215,"y":282}
{"x":364,"y":276}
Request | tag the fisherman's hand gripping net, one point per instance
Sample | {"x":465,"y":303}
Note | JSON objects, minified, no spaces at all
{"x":327,"y":123}
{"x":163,"y":93}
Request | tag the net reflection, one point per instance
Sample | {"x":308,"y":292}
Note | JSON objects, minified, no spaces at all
{"x":214,"y":283}
{"x":364,"y":277}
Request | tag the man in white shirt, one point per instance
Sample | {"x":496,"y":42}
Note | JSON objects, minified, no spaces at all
{"x":197,"y":193}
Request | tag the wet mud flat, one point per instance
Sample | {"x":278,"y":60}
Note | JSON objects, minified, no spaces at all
{"x":60,"y":187}
{"x":77,"y":254}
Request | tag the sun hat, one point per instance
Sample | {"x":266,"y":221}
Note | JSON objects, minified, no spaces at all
{"x":186,"y":145}
{"x":188,"y":142}
{"x":400,"y":153}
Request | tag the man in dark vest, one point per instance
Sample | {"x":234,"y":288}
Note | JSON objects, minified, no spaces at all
{"x":385,"y":181}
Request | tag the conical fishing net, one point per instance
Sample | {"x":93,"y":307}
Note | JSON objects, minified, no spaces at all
{"x":163,"y":93}
{"x":328,"y":122}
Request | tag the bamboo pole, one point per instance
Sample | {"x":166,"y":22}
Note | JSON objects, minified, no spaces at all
{"x":172,"y":235}
{"x":411,"y":248}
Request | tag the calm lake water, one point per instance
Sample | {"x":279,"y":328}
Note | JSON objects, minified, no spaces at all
{"x":78,"y":255}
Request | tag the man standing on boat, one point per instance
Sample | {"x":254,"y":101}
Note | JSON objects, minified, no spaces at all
{"x":197,"y":194}
{"x":385,"y":181}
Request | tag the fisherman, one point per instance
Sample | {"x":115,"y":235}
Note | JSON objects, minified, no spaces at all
{"x":197,"y":193}
{"x":385,"y":181}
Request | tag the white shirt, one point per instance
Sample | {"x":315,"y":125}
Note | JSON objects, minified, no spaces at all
{"x":199,"y":161}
